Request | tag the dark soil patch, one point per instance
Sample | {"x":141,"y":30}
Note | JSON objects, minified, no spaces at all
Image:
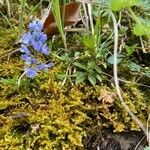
{"x":107,"y":140}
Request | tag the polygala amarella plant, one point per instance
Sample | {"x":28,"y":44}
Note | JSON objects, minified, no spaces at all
{"x":33,"y":42}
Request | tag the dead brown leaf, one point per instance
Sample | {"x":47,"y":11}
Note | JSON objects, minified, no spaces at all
{"x":72,"y":14}
{"x":107,"y":96}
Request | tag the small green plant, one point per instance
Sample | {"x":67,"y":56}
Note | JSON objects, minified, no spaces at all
{"x":89,"y":71}
{"x":43,"y":114}
{"x":121,"y":4}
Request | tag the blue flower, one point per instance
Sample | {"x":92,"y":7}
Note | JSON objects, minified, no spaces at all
{"x":45,"y":50}
{"x":44,"y":66}
{"x":27,"y":38}
{"x":36,"y":26}
{"x":30,"y":72}
{"x":43,"y":38}
{"x":25,"y":50}
{"x":38,"y":46}
{"x":40,"y":67}
{"x":36,"y":35}
{"x":34,"y":39}
{"x":49,"y":65}
{"x":26,"y":58}
{"x":29,"y":60}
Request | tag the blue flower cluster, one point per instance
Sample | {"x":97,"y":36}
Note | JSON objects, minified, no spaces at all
{"x":35,"y":40}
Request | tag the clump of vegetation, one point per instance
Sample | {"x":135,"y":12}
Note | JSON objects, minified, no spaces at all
{"x":58,"y":108}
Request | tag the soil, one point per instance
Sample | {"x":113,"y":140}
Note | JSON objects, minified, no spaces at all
{"x":108,"y":140}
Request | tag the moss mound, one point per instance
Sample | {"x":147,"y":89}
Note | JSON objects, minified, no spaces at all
{"x":41,"y":114}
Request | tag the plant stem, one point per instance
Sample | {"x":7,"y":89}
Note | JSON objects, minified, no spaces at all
{"x":23,"y":2}
{"x":19,"y":80}
{"x":116,"y":77}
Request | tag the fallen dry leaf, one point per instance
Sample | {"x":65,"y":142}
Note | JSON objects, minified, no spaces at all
{"x":107,"y":96}
{"x":72,"y":14}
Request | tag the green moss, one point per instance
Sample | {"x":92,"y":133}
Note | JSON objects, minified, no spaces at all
{"x":48,"y":116}
{"x":8,"y":38}
{"x":41,"y":114}
{"x":53,"y":123}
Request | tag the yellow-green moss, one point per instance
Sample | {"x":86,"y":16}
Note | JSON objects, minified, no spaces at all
{"x":8,"y":38}
{"x":53,"y":123}
{"x":41,"y":114}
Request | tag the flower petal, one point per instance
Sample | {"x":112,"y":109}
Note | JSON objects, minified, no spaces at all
{"x":29,"y":60}
{"x":45,"y":49}
{"x":30,"y":72}
{"x":26,"y":58}
{"x":38,"y":46}
{"x":36,"y":25}
{"x":43,"y":38}
{"x":25,"y":50}
{"x":40,"y":67}
{"x":49,"y":65}
{"x":26,"y":38}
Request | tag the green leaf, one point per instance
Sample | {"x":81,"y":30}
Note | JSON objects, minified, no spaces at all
{"x":147,"y":73}
{"x":91,"y":64}
{"x":147,"y":148}
{"x":98,"y":69}
{"x":140,"y":29}
{"x":92,"y":79}
{"x":104,"y":65}
{"x":77,"y":64}
{"x":80,"y":79}
{"x":58,"y":20}
{"x":65,"y":58}
{"x":110,"y":60}
{"x":97,"y":32}
{"x":123,"y":29}
{"x":89,"y":42}
{"x":61,"y":76}
{"x":77,"y":54}
{"x":130,"y":49}
{"x":134,"y":67}
{"x":79,"y":73}
{"x":145,"y":5}
{"x":98,"y":78}
{"x":117,"y":5}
